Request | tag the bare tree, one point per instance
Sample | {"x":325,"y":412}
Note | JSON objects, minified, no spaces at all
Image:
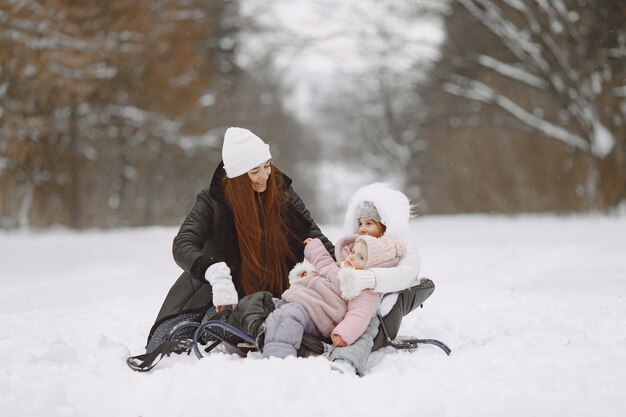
{"x":113,"y":112}
{"x":357,"y":65}
{"x":550,"y":54}
{"x":97,"y":95}
{"x":542,"y":73}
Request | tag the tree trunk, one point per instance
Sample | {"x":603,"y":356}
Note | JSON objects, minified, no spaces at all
{"x":75,"y":192}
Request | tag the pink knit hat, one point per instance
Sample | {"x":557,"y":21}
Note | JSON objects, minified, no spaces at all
{"x":382,"y":251}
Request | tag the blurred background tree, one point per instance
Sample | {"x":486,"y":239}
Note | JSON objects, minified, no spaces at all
{"x":112,"y":113}
{"x":527,"y":108}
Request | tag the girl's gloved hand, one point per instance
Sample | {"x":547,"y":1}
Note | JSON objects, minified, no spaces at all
{"x":353,"y":281}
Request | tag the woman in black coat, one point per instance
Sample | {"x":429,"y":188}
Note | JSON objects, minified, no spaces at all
{"x":243,"y":235}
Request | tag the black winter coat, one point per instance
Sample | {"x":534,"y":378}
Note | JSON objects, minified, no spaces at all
{"x":208,"y":236}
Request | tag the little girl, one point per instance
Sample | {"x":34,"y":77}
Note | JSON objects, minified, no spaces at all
{"x":313,"y":304}
{"x":378,"y":210}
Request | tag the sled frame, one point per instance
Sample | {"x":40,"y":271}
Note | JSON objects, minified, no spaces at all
{"x":239,"y":342}
{"x":244,"y":342}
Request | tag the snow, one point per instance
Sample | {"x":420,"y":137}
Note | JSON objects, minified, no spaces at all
{"x":533,"y":307}
{"x":511,"y":71}
{"x":603,"y":141}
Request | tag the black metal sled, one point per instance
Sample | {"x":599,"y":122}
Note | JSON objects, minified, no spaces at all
{"x":412,"y":343}
{"x":213,"y":331}
{"x":423,"y":291}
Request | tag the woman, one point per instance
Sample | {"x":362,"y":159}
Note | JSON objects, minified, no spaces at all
{"x":243,"y":235}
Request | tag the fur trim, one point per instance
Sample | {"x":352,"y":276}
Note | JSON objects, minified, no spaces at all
{"x":392,"y":205}
{"x":347,"y":284}
{"x":300,"y":268}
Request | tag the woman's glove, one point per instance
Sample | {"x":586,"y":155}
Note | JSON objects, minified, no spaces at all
{"x":224,"y":292}
{"x":353,"y":281}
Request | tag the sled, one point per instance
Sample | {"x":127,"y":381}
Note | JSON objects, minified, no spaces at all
{"x":214,"y":330}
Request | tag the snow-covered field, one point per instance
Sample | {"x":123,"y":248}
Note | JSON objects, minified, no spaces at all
{"x":534,"y":308}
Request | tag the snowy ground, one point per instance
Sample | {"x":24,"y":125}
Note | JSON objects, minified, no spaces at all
{"x":534,"y":309}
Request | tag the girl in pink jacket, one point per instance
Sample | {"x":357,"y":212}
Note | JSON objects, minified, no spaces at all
{"x":314,"y":304}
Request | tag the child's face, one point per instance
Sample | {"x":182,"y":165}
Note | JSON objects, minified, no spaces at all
{"x":358,"y":258}
{"x":369,"y":227}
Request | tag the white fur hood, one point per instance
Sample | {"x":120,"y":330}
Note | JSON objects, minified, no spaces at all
{"x":392,"y":205}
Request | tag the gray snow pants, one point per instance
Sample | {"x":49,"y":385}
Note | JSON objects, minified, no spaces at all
{"x":284,"y":328}
{"x":373,"y":338}
{"x":358,"y":352}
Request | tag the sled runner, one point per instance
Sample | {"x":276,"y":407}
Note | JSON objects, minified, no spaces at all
{"x":242,"y":332}
{"x":422,"y":291}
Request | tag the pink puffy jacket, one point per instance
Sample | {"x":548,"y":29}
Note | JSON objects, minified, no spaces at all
{"x":320,"y":296}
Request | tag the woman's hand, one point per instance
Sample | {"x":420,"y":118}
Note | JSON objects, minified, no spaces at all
{"x":224,"y":292}
{"x":307,"y":240}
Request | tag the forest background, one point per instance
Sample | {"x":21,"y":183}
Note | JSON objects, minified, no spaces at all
{"x":112,"y":113}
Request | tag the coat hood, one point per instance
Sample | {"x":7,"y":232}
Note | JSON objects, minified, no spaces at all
{"x":343,"y":247}
{"x":392,"y":205}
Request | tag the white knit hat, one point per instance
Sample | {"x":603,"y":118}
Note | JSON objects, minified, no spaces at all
{"x":242,"y":151}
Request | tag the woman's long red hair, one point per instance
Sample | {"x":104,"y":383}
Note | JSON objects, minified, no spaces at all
{"x":266,"y":254}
